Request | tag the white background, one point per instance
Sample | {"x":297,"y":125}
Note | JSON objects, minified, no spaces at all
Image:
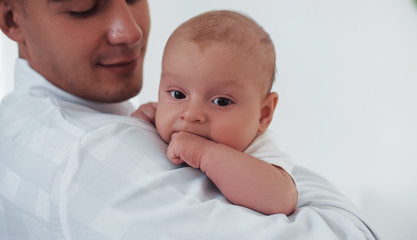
{"x":347,"y":80}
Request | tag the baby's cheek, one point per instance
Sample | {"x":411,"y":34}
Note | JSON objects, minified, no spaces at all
{"x":161,"y":127}
{"x":227,"y":136}
{"x":163,"y":134}
{"x":236,"y":136}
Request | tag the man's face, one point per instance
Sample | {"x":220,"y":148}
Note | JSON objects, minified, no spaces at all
{"x":91,"y":48}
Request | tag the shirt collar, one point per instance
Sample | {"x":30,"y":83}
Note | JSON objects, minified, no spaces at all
{"x":26,"y":78}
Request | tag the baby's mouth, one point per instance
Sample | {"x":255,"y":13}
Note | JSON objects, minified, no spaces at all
{"x":197,"y":134}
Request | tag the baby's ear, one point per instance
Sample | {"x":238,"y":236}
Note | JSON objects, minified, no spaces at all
{"x":267,"y":111}
{"x":9,"y":19}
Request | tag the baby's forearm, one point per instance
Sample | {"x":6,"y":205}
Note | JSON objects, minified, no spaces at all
{"x":248,"y":181}
{"x":243,"y":179}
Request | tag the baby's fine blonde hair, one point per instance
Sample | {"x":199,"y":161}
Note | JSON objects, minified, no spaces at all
{"x":233,"y":28}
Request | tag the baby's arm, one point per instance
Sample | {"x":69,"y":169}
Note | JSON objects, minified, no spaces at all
{"x":146,"y":112}
{"x":243,"y":179}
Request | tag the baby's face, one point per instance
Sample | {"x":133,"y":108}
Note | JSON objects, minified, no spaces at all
{"x":214,"y":93}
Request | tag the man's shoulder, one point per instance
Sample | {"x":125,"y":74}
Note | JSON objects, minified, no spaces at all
{"x":89,"y":120}
{"x":39,"y":109}
{"x":58,"y":129}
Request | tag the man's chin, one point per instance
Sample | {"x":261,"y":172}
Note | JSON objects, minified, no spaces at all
{"x":121,"y":96}
{"x":113,"y":95}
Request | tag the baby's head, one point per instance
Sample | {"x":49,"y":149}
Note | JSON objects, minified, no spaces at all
{"x":217,"y":73}
{"x":235,"y":30}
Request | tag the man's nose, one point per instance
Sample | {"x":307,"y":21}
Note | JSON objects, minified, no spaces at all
{"x":193,"y":113}
{"x":123,"y":27}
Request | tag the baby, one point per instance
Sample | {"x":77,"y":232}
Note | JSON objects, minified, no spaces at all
{"x":214,"y":105}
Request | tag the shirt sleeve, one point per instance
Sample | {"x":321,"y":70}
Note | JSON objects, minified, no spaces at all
{"x":265,"y":148}
{"x":118,"y":184}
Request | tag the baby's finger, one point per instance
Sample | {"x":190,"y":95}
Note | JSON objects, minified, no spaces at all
{"x":173,"y":154}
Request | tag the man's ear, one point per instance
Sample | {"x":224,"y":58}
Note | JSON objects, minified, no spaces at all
{"x":8,"y":20}
{"x":267,"y":111}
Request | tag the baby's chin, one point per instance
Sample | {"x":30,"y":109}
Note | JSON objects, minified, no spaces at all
{"x":165,"y":137}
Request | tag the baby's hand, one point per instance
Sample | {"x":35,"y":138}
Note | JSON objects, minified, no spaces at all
{"x":146,"y":112}
{"x":189,"y":148}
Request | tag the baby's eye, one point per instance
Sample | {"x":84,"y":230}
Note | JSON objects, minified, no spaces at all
{"x":222,"y":101}
{"x":177,"y":94}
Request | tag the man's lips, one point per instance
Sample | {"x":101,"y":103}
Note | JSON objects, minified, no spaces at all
{"x":121,"y":67}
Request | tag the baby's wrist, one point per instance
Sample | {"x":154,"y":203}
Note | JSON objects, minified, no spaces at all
{"x":208,"y":154}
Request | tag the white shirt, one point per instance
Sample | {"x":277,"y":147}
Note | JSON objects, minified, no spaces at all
{"x":73,"y":169}
{"x":264,"y":147}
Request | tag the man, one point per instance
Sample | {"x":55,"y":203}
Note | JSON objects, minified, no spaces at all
{"x":73,"y":165}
